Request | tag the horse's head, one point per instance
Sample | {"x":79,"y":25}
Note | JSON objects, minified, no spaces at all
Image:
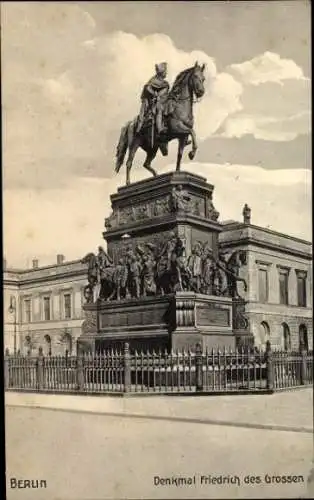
{"x":90,"y":257}
{"x":192,"y":79}
{"x":197,"y":80}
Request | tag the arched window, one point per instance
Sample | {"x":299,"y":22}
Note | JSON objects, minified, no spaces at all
{"x":264,"y":332}
{"x":28,"y":342}
{"x":303,"y":338}
{"x":67,"y":342}
{"x":286,"y":337}
{"x":48,"y":344}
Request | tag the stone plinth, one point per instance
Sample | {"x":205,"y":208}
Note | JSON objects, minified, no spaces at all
{"x":203,"y":319}
{"x":175,"y":321}
{"x":144,"y":211}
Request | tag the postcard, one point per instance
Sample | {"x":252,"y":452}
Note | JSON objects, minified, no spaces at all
{"x":157,"y":265}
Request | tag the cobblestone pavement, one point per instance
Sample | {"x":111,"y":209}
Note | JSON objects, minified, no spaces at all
{"x":85,"y":456}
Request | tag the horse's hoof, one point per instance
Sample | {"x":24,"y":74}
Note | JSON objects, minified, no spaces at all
{"x":191,"y":155}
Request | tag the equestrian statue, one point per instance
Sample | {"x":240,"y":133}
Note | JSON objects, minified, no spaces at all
{"x":165,"y":114}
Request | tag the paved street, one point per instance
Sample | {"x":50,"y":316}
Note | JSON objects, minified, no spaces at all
{"x":97,"y":456}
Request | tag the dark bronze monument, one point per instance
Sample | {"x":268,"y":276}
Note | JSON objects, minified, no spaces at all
{"x":163,"y":282}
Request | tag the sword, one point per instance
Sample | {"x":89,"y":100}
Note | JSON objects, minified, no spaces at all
{"x":153,"y":126}
{"x":153,"y":123}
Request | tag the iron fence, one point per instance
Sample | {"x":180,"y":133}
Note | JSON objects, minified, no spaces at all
{"x":113,"y":371}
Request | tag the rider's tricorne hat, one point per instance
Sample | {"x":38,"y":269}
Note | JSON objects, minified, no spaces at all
{"x":161,"y":67}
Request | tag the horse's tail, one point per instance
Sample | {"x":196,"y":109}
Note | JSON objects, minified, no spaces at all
{"x":122,"y":147}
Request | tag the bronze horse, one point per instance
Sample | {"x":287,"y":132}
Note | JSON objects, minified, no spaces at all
{"x":179,"y":122}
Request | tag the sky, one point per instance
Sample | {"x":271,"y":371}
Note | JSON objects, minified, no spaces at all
{"x":72,"y":75}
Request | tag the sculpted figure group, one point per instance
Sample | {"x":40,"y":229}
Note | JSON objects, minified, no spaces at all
{"x":157,"y":270}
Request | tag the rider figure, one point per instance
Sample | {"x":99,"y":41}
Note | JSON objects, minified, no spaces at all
{"x":154,"y":96}
{"x":103,"y":261}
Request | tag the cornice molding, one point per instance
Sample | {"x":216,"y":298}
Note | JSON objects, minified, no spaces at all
{"x":262,"y":244}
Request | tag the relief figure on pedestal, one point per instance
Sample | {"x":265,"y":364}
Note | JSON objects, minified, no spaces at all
{"x":172,"y":271}
{"x":105,"y":270}
{"x":211,"y":211}
{"x":92,"y":276}
{"x":207,"y":274}
{"x":132,"y":261}
{"x":148,"y":272}
{"x":127,"y":215}
{"x":231,"y":268}
{"x":195,"y":267}
{"x":141,"y":212}
{"x":112,"y":221}
{"x":120,"y":277}
{"x":180,"y":199}
{"x":161,"y":207}
{"x":180,"y":273}
{"x":219,"y":280}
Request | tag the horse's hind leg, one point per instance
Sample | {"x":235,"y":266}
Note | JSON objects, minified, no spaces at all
{"x":132,"y":150}
{"x":181,"y":146}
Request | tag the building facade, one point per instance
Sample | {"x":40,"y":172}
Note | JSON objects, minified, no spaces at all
{"x":278,"y":273}
{"x":43,"y":305}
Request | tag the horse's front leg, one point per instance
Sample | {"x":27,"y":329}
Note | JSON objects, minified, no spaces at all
{"x":181,"y":145}
{"x":150,"y":155}
{"x":194,"y":145}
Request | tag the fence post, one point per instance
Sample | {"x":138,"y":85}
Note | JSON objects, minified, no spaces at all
{"x":198,"y":368}
{"x":127,"y":368}
{"x":40,"y":369}
{"x":269,"y":367}
{"x":303,"y":370}
{"x":6,"y":369}
{"x":80,"y":371}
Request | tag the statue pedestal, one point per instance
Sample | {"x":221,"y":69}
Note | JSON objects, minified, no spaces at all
{"x":150,"y":213}
{"x":177,"y":321}
{"x":145,"y":212}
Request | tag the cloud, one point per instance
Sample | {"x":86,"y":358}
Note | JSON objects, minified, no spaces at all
{"x":267,"y":67}
{"x":74,"y":216}
{"x":275,"y":109}
{"x":67,"y":93}
{"x":267,"y":128}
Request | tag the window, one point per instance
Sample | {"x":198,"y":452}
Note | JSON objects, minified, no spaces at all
{"x":286,"y":337}
{"x":301,"y":283}
{"x":283,"y":287}
{"x":67,"y":306}
{"x":262,"y":285}
{"x":29,"y":344}
{"x":67,"y":341}
{"x":264,"y":332}
{"x":27,"y":310}
{"x":47,"y":308}
{"x":48,"y":344}
{"x":303,"y":338}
